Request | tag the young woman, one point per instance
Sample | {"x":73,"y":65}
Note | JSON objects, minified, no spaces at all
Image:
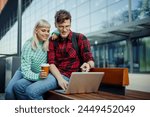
{"x":34,"y":53}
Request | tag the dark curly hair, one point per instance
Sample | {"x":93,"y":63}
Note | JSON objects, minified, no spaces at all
{"x":61,"y":16}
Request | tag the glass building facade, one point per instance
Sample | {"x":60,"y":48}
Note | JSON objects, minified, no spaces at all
{"x":100,"y":20}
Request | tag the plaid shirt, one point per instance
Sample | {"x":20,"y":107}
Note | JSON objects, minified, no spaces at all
{"x":65,"y":57}
{"x":31,"y":61}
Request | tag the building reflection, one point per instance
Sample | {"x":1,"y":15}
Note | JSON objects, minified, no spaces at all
{"x":120,"y":28}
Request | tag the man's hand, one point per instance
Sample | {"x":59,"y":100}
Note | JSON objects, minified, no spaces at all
{"x":85,"y":67}
{"x":63,"y":83}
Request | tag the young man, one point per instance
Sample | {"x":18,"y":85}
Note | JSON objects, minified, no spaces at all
{"x":63,"y":57}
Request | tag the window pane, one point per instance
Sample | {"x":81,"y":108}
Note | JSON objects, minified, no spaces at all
{"x":83,"y":9}
{"x":141,"y":55}
{"x":98,"y":4}
{"x":118,"y":13}
{"x":99,"y":17}
{"x":140,"y":9}
{"x":83,"y":22}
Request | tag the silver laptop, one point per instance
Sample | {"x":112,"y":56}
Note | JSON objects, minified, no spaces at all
{"x":83,"y":82}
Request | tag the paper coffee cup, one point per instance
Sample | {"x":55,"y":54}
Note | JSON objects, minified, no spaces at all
{"x":45,"y":68}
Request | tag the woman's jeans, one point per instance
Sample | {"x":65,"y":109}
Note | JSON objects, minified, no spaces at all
{"x":34,"y":90}
{"x":9,"y":93}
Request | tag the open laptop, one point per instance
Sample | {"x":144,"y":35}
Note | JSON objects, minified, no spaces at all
{"x":83,"y":82}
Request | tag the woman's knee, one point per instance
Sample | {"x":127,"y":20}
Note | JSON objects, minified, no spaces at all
{"x":9,"y":94}
{"x":9,"y":90}
{"x":17,"y":76}
{"x":17,"y":86}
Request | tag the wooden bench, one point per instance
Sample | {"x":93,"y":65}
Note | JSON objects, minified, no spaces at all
{"x":114,"y":82}
{"x":100,"y":95}
{"x":115,"y":79}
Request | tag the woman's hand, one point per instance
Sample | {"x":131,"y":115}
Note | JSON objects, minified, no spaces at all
{"x":54,"y":36}
{"x":43,"y":74}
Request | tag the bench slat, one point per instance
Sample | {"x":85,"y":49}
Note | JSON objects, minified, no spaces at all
{"x":101,"y":95}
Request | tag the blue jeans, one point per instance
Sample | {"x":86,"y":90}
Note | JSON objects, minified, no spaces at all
{"x":34,"y":90}
{"x":9,"y":93}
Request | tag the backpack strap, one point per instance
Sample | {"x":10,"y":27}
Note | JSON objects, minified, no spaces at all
{"x":75,"y":42}
{"x":75,"y":45}
{"x":55,"y":44}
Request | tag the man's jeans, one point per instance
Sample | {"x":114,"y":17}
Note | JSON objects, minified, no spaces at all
{"x":33,"y":90}
{"x":9,"y":93}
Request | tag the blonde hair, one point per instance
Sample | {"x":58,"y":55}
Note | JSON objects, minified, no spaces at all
{"x":34,"y":45}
